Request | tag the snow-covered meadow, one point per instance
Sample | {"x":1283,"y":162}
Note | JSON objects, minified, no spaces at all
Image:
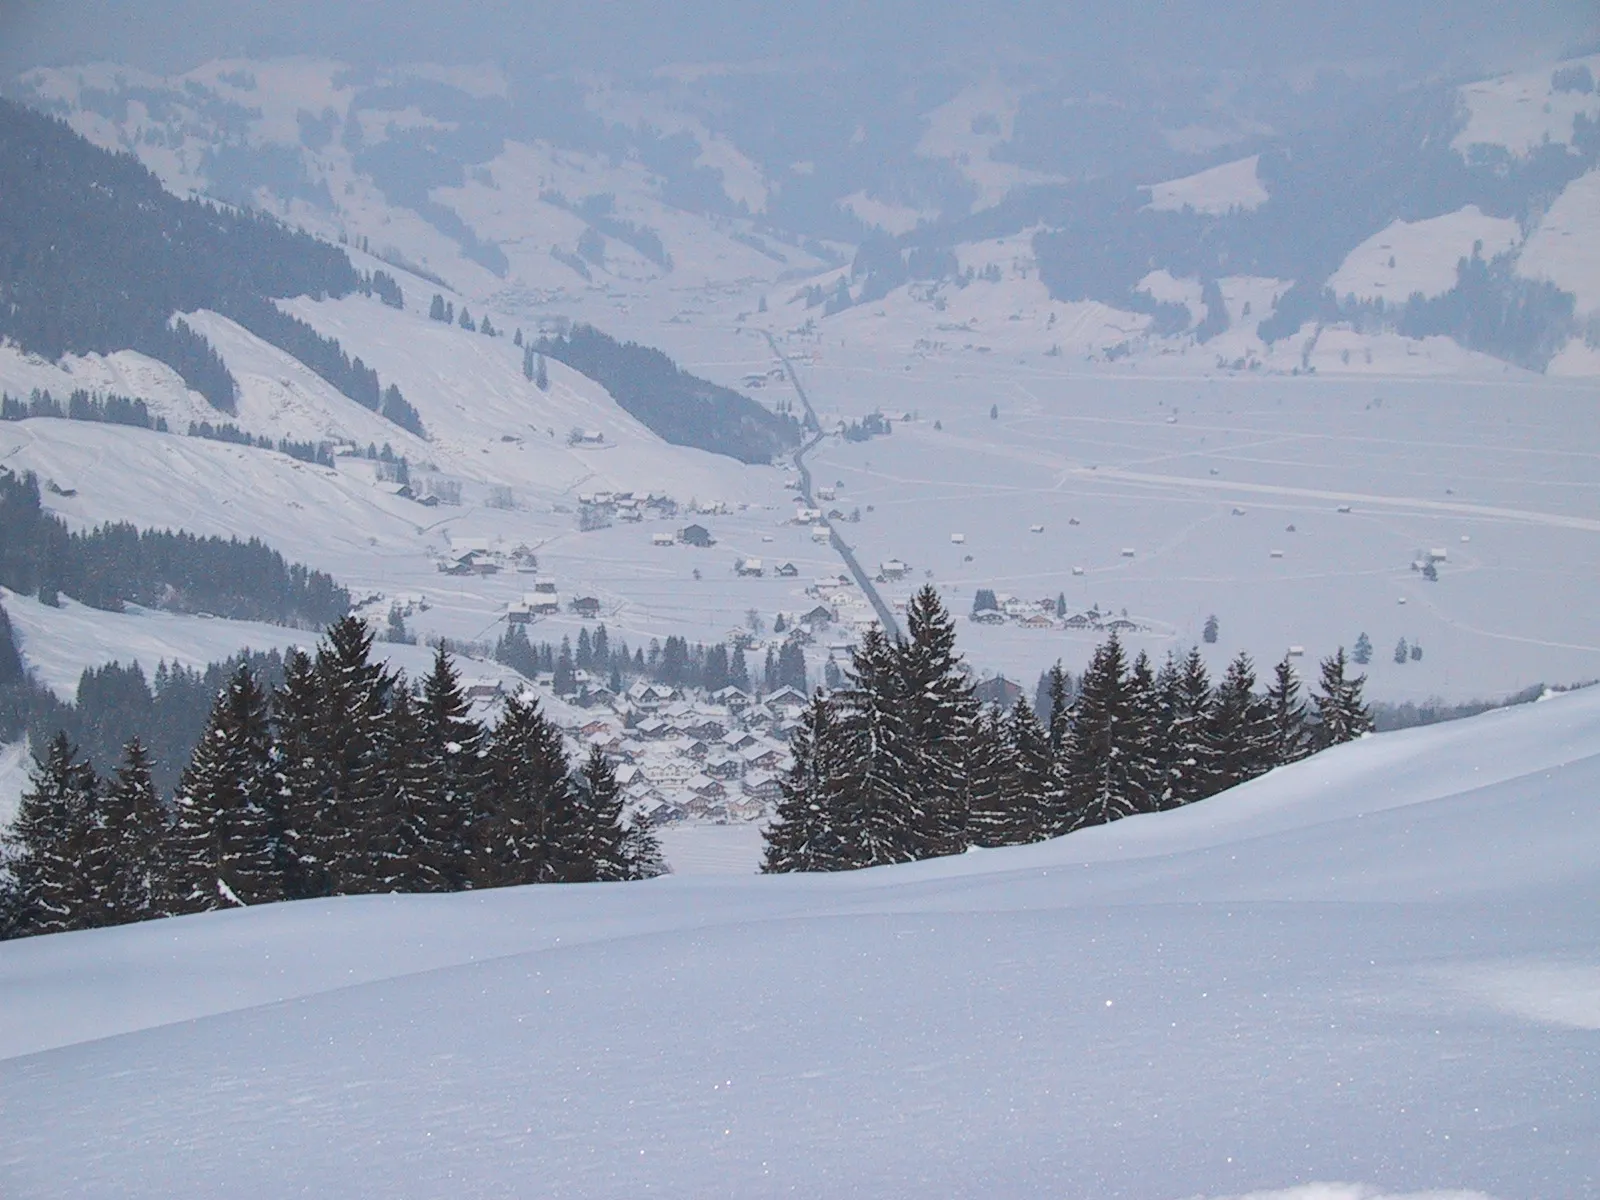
{"x":1375,"y":966}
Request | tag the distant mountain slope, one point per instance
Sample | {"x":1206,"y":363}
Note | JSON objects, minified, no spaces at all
{"x":684,"y":409}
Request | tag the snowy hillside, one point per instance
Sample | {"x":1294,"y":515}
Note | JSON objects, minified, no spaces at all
{"x":1374,"y":966}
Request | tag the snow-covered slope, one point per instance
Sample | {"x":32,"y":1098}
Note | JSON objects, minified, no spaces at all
{"x":1376,"y":965}
{"x":1220,"y":189}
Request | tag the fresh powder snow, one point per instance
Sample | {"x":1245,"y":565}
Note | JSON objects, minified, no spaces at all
{"x":1371,"y":974}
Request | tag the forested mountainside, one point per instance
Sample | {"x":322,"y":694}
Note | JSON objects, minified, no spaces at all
{"x":100,"y":257}
{"x":683,"y":408}
{"x":114,"y":564}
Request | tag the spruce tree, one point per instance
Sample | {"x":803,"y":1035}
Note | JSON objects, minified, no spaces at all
{"x":1342,"y":715}
{"x":404,"y":848}
{"x":992,"y":780}
{"x":806,"y":834}
{"x":123,"y":857}
{"x":641,"y":849}
{"x":299,"y":780}
{"x":879,"y":817}
{"x":453,"y":752}
{"x":1039,"y":798}
{"x":600,"y":809}
{"x":1286,"y":715}
{"x":1107,"y":771}
{"x":532,"y":831}
{"x":1362,"y":654}
{"x":353,"y":691}
{"x":939,"y":711}
{"x":47,"y":839}
{"x":222,"y":848}
{"x":1185,"y":751}
{"x":1240,"y":730}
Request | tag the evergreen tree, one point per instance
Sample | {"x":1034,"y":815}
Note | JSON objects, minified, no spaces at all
{"x":222,"y":849}
{"x":1185,"y":748}
{"x":453,"y":749}
{"x":600,"y":809}
{"x":299,"y":780}
{"x":806,"y":833}
{"x":403,"y":847}
{"x":1286,"y":714}
{"x":564,"y":680}
{"x":1038,"y":799}
{"x":1402,"y":652}
{"x":738,"y":671}
{"x":879,"y":816}
{"x":1240,"y":730}
{"x":992,"y":784}
{"x":939,"y":712}
{"x":1342,"y":715}
{"x":1362,"y":654}
{"x":532,"y":831}
{"x":1106,"y":772}
{"x":122,"y":859}
{"x":354,"y":693}
{"x":1058,"y":717}
{"x":436,"y":309}
{"x":1209,"y":633}
{"x":641,"y":849}
{"x":541,"y":374}
{"x":47,"y":839}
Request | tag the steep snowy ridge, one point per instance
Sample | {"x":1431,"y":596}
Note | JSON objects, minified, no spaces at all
{"x":1377,"y":964}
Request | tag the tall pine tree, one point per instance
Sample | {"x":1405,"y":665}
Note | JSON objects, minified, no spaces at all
{"x":47,"y":839}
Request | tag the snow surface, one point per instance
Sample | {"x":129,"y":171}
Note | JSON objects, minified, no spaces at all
{"x":1522,"y":111}
{"x":1377,"y":965}
{"x":1216,"y":190}
{"x":1420,"y":256}
{"x":1565,"y":248}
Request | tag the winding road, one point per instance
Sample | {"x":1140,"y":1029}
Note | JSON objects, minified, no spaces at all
{"x":814,"y":427}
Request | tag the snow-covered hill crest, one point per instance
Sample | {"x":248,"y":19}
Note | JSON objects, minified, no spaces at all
{"x":1151,"y":1009}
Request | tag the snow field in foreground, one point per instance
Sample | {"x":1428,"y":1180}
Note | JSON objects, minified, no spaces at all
{"x":1376,"y":965}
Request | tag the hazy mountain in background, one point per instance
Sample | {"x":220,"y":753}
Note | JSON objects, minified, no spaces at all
{"x":1097,"y":37}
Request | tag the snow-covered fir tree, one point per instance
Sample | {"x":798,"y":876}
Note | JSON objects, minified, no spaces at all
{"x":1342,"y":714}
{"x":1239,"y":730}
{"x":121,"y":861}
{"x":222,"y":851}
{"x":47,"y":839}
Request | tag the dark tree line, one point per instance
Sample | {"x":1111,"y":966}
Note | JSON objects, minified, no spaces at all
{"x":675,"y":662}
{"x":903,"y":763}
{"x":82,"y":406}
{"x":344,"y":779}
{"x":114,"y":704}
{"x":677,"y":406}
{"x":320,"y":453}
{"x":111,"y":565}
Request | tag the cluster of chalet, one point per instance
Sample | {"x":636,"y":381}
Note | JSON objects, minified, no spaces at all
{"x":755,"y":568}
{"x":473,"y":555}
{"x":544,"y":601}
{"x":1042,"y":614}
{"x":679,"y":756}
{"x":629,"y":506}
